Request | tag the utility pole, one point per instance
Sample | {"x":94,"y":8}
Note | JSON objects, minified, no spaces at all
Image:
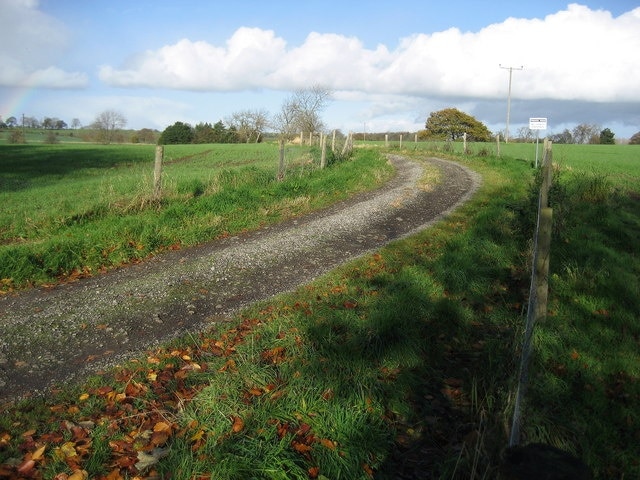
{"x":511,"y":69}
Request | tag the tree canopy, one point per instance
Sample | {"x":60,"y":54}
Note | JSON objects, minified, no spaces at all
{"x":178,"y":133}
{"x":635,"y":139}
{"x":606,"y":137}
{"x":452,"y":124}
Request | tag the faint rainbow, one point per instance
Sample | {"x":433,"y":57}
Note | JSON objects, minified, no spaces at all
{"x":16,"y":102}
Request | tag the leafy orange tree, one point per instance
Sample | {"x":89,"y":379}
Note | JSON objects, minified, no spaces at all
{"x":452,"y":124}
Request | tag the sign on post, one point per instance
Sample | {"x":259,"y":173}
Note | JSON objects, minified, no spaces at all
{"x":537,"y":124}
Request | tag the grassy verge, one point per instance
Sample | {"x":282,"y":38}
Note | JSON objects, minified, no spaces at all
{"x":398,"y":365}
{"x":75,"y":210}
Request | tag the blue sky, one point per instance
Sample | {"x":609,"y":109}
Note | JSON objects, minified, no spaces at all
{"x":389,"y":64}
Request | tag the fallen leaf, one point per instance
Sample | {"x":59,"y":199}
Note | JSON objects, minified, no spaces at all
{"x":325,"y":442}
{"x":301,"y":447}
{"x":67,"y":450}
{"x":37,"y":455}
{"x":275,"y":355}
{"x":162,"y":427}
{"x":147,"y":460}
{"x":114,"y":475}
{"x":79,"y":475}
{"x":26,"y":467}
{"x":159,"y":438}
{"x":238,"y":424}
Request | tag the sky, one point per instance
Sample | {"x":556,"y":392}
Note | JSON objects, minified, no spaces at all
{"x":388,"y":64}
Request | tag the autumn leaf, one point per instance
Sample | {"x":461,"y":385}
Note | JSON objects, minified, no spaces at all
{"x":147,"y":460}
{"x":301,"y":447}
{"x":229,"y":365}
{"x":275,"y":355}
{"x":350,"y":305}
{"x":114,"y":475}
{"x":67,"y":450}
{"x":26,"y":467}
{"x":325,"y":442}
{"x":162,"y":427}
{"x":79,"y":475}
{"x":37,"y":455}
{"x":238,"y":424}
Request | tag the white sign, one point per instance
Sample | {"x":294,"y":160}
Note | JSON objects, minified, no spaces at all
{"x":537,"y":124}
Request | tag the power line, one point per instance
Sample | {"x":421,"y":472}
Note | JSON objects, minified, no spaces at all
{"x":511,"y":69}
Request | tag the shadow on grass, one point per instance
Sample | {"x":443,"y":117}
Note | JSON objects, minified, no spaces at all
{"x":22,"y":166}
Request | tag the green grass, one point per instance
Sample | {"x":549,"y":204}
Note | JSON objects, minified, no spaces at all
{"x":80,"y":209}
{"x":402,"y":362}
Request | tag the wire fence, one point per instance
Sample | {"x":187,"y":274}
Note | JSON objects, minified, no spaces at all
{"x":538,"y":291}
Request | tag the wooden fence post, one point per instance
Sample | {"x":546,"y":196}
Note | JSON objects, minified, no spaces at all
{"x":323,"y":156}
{"x":281,"y":162}
{"x":400,"y":141}
{"x":464,"y":143}
{"x":547,"y":174}
{"x":542,"y":263}
{"x":333,"y":142}
{"x":498,"y":144}
{"x":386,"y":140}
{"x":157,"y":172}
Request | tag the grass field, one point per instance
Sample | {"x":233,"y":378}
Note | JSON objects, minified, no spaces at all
{"x":78,"y":209}
{"x":399,"y":363}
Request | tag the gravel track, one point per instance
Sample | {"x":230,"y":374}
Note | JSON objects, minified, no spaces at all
{"x":59,"y":335}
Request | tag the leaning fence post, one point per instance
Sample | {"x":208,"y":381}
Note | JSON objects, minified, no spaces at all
{"x":157,"y":172}
{"x":323,"y":156}
{"x":281,"y":162}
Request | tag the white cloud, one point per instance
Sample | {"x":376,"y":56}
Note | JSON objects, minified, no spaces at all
{"x":248,"y":57}
{"x":576,"y":54}
{"x":30,"y":39}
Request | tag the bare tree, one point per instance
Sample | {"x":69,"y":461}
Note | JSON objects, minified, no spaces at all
{"x":585,"y":133}
{"x":249,"y":124}
{"x":107,"y":123}
{"x":301,"y":111}
{"x":525,"y":134}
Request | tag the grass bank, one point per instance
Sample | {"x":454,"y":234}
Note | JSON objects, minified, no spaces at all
{"x":74,"y":210}
{"x":400,"y":364}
